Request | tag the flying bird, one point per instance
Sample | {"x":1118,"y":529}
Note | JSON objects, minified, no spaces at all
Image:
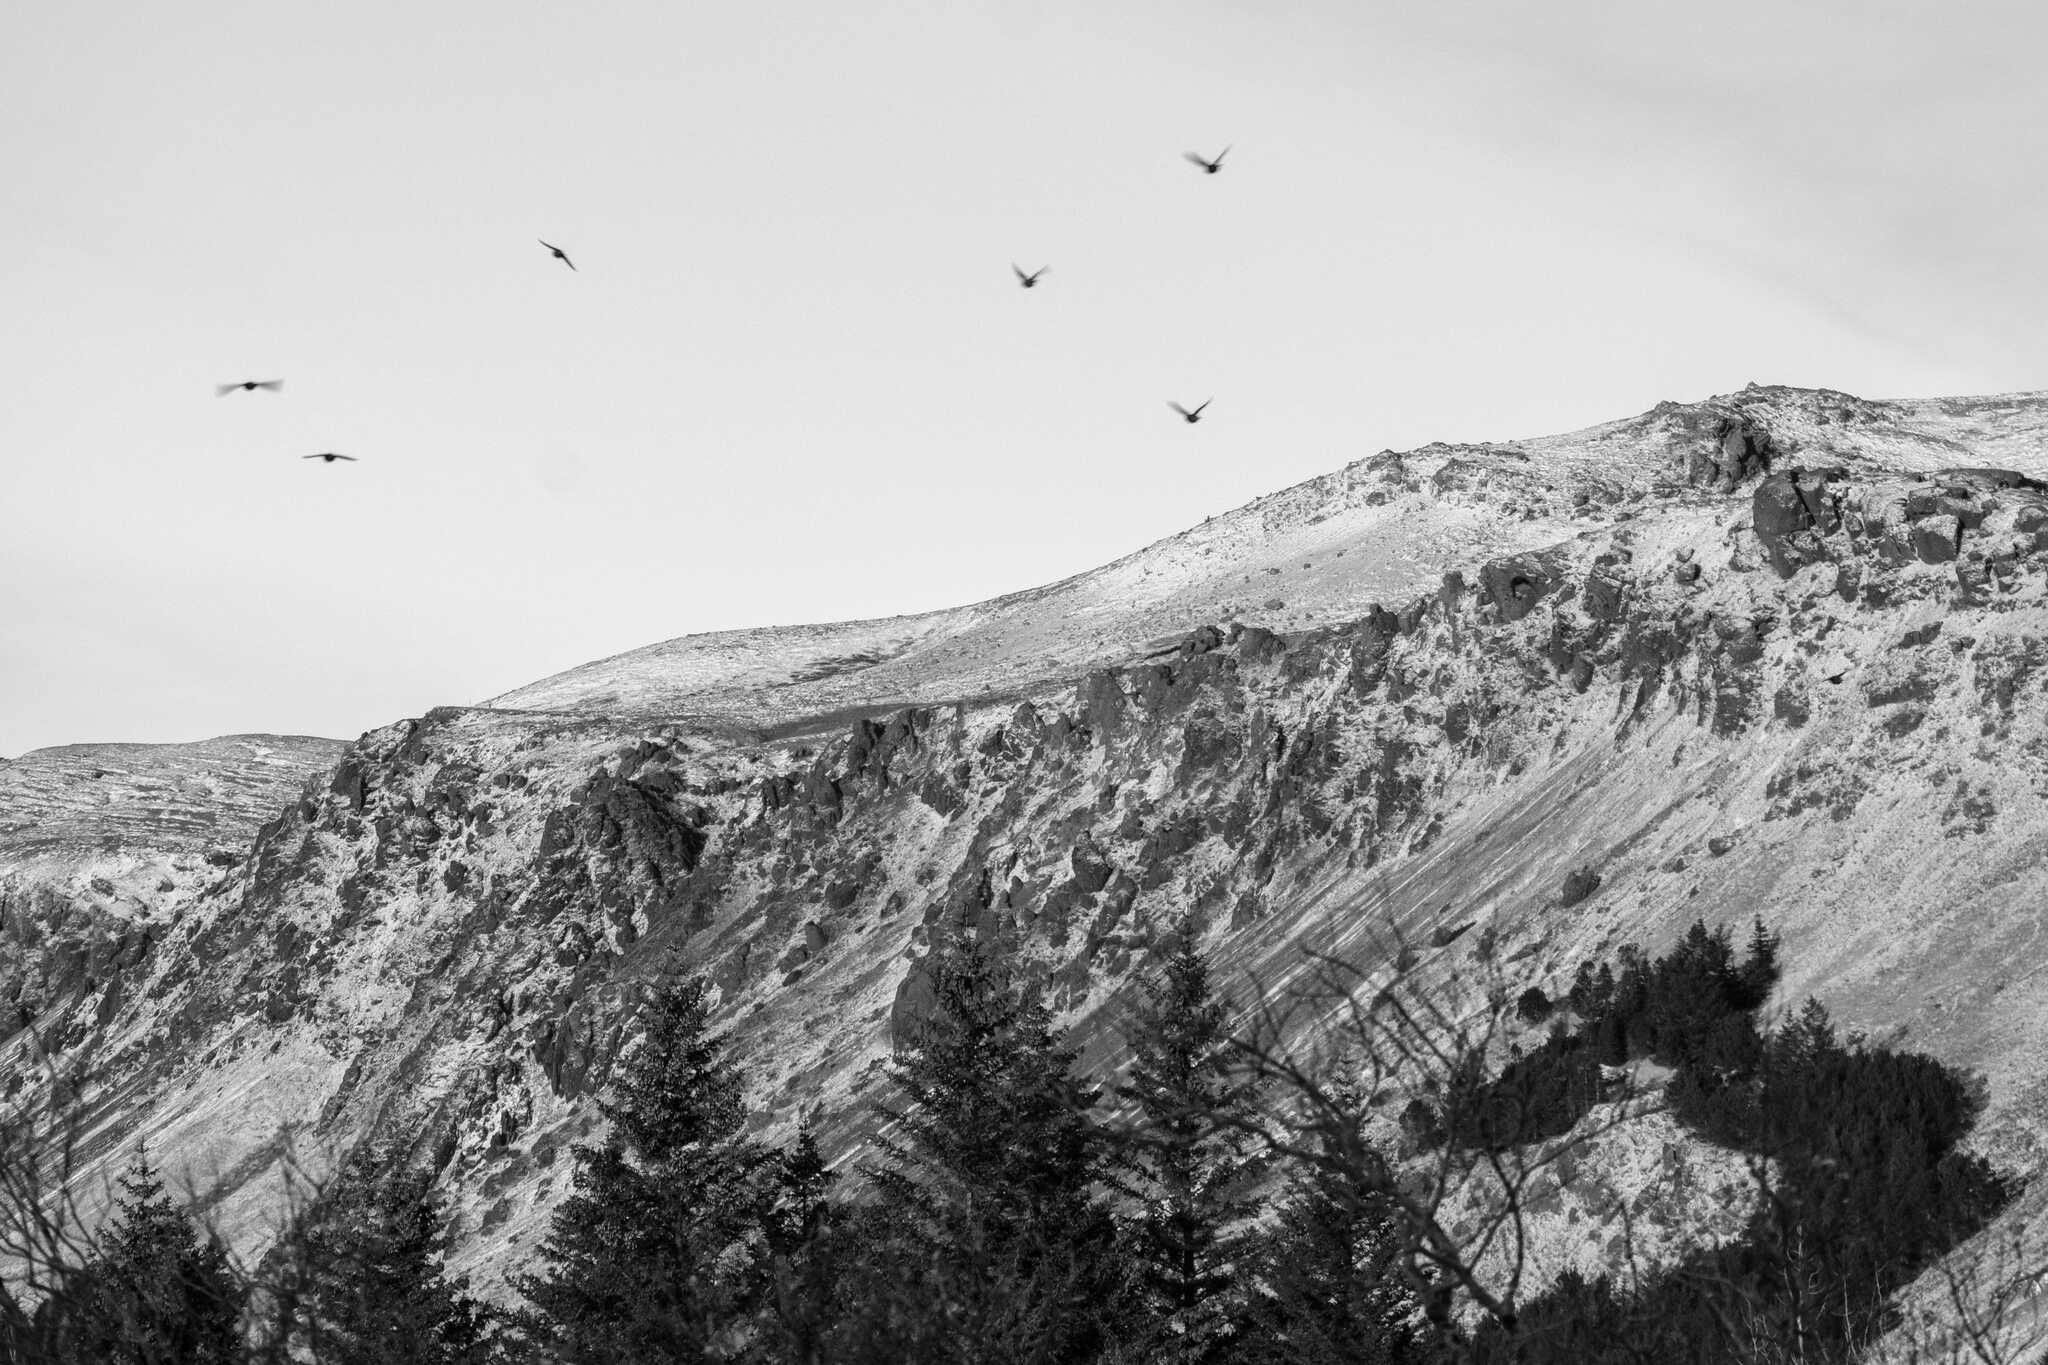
{"x":1194,"y":416}
{"x":1208,"y":166}
{"x":1028,"y":281}
{"x":560,"y":254}
{"x":331,"y":457}
{"x":223,"y":390}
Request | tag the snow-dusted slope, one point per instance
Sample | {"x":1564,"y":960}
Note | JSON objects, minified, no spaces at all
{"x":1777,"y":653}
{"x":78,"y":799}
{"x":102,"y":845}
{"x":1381,"y":529}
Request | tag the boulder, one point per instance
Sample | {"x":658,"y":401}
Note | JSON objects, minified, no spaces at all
{"x":1789,"y":513}
{"x":1579,"y":883}
{"x":1516,"y":583}
{"x":1935,"y":539}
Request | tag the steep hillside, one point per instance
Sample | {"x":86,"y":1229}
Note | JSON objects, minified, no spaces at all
{"x":1779,"y":653}
{"x":102,"y":845}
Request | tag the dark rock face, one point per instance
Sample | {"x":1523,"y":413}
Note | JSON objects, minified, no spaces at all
{"x":1935,"y":538}
{"x":1781,"y":520}
{"x":1607,"y":592}
{"x":1738,"y":451}
{"x":348,"y":783}
{"x":1102,"y":705}
{"x":1515,"y":585}
{"x":1793,"y":513}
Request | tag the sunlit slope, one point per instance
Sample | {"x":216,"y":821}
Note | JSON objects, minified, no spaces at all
{"x":1380,"y":530}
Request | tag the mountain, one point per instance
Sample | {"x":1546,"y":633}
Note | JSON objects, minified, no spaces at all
{"x":1781,"y":652}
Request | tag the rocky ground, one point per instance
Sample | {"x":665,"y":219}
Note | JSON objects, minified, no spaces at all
{"x":1779,"y":653}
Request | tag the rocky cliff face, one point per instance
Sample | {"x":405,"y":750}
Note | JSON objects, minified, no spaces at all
{"x":1779,"y":653}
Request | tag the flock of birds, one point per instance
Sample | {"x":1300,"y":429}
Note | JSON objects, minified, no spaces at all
{"x":1209,"y":165}
{"x":274,"y":386}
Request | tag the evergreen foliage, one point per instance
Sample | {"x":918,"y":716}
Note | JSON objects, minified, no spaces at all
{"x":1690,"y":1009}
{"x":153,"y":1292}
{"x":1005,"y":1223}
{"x":1536,"y":1096}
{"x":1862,"y":1188}
{"x":989,"y":1238}
{"x":1334,"y":1287}
{"x":1532,"y":1006}
{"x":805,"y":1268}
{"x":1191,"y":1163}
{"x":659,"y":1253}
{"x":363,"y":1283}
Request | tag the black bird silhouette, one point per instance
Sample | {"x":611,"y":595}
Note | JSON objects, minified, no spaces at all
{"x":1028,"y":281}
{"x":223,"y":390}
{"x":1211,"y":167}
{"x":1194,"y":416}
{"x":560,"y":254}
{"x":328,"y":456}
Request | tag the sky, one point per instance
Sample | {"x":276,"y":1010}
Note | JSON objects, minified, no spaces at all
{"x":793,"y":378}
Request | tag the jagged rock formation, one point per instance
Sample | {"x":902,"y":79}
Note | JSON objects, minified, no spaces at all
{"x":1779,"y":653}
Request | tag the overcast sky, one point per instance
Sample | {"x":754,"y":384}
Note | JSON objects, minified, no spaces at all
{"x":793,"y":378}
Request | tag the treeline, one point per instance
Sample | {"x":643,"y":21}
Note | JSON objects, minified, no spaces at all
{"x":1009,"y":1210}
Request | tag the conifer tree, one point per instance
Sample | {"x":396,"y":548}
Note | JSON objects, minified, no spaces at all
{"x":656,"y":1256}
{"x":989,"y":1239}
{"x":153,"y":1292}
{"x":1334,"y":1288}
{"x":363,"y":1281}
{"x":1191,"y":1162}
{"x":1760,"y":968}
{"x":804,"y":1267}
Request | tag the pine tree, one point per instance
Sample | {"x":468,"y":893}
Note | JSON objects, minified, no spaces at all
{"x":1334,"y":1287}
{"x":1802,"y":1042}
{"x":657,"y":1255}
{"x":363,"y":1280}
{"x":1760,"y":968}
{"x":1191,"y":1162}
{"x":152,"y":1293}
{"x":804,"y":1271}
{"x":989,"y":1239}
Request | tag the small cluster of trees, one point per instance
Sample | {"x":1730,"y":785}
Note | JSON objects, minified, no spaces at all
{"x":1853,"y":1150}
{"x":1692,"y":1010}
{"x":1223,"y":1201}
{"x":356,"y":1281}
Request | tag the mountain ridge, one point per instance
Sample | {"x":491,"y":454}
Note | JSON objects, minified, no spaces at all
{"x":1785,"y":658}
{"x":1466,"y":501}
